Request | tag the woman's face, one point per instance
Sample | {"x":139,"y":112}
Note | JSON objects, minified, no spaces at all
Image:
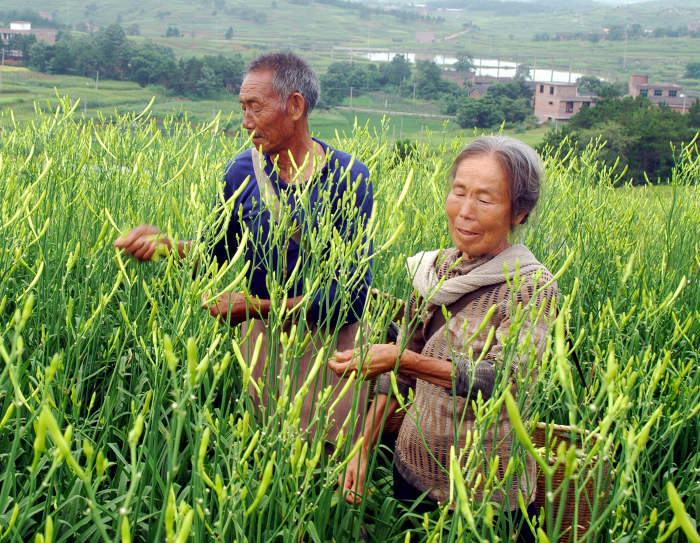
{"x":478,"y":207}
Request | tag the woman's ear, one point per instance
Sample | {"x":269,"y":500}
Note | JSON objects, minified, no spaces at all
{"x":519,"y":218}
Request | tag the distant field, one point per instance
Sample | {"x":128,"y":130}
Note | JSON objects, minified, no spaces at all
{"x":314,"y":29}
{"x":25,"y":88}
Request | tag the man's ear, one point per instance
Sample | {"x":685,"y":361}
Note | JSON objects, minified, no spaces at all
{"x":296,"y":106}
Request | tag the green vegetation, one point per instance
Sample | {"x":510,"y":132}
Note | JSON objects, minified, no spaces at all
{"x":341,"y":76}
{"x":503,"y":103}
{"x":126,"y":413}
{"x":110,"y":53}
{"x":603,"y":89}
{"x":641,"y":140}
{"x":692,"y":70}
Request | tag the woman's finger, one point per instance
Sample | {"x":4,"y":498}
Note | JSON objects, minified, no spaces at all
{"x":339,"y":368}
{"x":345,"y":355}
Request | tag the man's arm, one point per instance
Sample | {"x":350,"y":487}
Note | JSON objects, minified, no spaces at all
{"x":144,"y":240}
{"x":234,"y":308}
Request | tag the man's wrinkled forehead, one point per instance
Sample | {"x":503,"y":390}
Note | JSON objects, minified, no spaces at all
{"x":258,"y":85}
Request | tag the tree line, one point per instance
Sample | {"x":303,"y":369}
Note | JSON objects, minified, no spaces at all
{"x":639,"y":135}
{"x":365,"y":11}
{"x":147,"y":63}
{"x":30,"y":16}
{"x":509,"y":102}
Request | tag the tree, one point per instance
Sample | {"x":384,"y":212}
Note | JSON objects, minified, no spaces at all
{"x":638,"y":133}
{"x":133,"y":30}
{"x":397,"y":70}
{"x":604,"y":89}
{"x":172,"y":32}
{"x":693,"y":116}
{"x":39,"y":56}
{"x":479,"y":113}
{"x":112,"y":51}
{"x":229,"y":33}
{"x":334,"y":87}
{"x":20,"y":42}
{"x":692,"y":70}
{"x":512,"y":90}
{"x":465,"y":63}
{"x":206,"y":84}
{"x":617,"y":33}
{"x":523,"y":71}
{"x":429,"y":81}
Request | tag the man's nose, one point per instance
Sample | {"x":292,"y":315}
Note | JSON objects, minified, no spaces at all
{"x":248,"y":123}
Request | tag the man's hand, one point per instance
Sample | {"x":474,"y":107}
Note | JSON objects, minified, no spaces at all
{"x":231,"y":307}
{"x":379,"y":359}
{"x":142,"y":242}
{"x":354,"y":480}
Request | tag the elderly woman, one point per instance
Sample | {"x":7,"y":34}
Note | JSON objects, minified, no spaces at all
{"x":495,"y":186}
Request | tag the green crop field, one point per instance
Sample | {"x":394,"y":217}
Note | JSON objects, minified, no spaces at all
{"x":125,"y":412}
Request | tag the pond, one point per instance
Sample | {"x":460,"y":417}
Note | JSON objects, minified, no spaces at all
{"x":484,"y":66}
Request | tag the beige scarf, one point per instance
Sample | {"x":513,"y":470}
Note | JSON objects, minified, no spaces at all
{"x":422,"y":268}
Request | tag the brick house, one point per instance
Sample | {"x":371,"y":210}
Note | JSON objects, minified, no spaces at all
{"x":560,"y":101}
{"x":47,"y":35}
{"x":669,"y":93}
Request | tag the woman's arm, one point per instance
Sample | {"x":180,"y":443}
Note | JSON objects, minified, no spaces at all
{"x":353,"y":480}
{"x":382,"y":359}
{"x":468,"y":382}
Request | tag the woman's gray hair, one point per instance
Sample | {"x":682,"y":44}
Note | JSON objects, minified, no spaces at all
{"x":521,"y":164}
{"x":291,"y":73}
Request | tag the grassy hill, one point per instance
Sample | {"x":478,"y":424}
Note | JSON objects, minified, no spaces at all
{"x":315,"y":29}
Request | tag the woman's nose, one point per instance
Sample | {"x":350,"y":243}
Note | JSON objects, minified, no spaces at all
{"x":467,"y":208}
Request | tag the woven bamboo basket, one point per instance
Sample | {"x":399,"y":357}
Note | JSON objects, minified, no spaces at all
{"x":563,"y":433}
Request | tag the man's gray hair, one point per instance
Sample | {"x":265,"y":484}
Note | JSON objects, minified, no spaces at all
{"x":291,"y":73}
{"x":521,"y":165}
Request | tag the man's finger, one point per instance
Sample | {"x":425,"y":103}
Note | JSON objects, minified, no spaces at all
{"x":143,"y":248}
{"x":135,"y":234}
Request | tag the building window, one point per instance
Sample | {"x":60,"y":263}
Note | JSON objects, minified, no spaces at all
{"x":658,"y":92}
{"x":551,"y":103}
{"x":569,"y":107}
{"x":551,"y":90}
{"x":644,"y":92}
{"x":541,"y":88}
{"x":673,"y":93}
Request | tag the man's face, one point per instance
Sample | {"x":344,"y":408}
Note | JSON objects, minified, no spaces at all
{"x":264,"y":114}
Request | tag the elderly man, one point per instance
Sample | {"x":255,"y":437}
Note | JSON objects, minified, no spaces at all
{"x":277,"y":95}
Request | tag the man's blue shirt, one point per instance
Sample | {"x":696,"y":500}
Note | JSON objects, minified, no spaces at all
{"x":330,"y":186}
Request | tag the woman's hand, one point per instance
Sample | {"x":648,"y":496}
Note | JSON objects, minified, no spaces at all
{"x":378,"y":359}
{"x":353,"y":481}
